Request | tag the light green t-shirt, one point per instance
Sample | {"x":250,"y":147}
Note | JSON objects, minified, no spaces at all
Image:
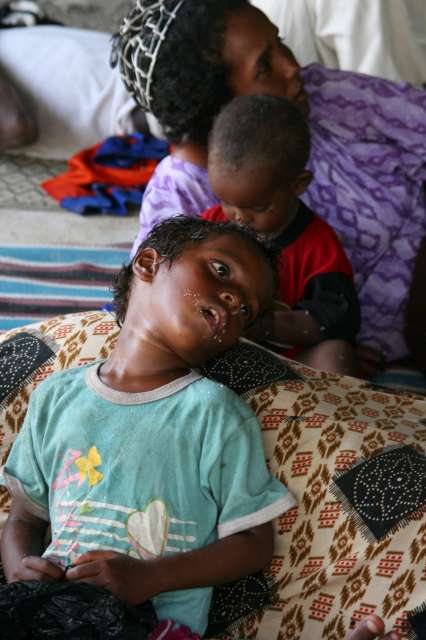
{"x":145,"y":474}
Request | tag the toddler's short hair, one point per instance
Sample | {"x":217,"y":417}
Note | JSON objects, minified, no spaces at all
{"x":262,"y":130}
{"x":170,"y":238}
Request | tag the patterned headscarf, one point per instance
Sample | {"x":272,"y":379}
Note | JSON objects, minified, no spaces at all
{"x":138,"y":43}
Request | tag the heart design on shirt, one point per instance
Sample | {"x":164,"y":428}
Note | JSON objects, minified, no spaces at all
{"x":148,"y":529}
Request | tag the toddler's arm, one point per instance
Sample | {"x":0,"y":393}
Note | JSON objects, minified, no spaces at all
{"x":21,"y":546}
{"x":135,"y":581}
{"x":286,"y":328}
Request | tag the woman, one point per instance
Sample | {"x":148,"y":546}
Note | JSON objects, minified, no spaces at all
{"x":184,"y":60}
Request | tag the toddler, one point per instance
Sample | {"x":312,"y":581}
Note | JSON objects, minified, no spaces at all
{"x":258,"y":151}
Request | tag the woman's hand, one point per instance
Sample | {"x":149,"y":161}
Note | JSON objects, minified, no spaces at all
{"x":131,"y":580}
{"x":36,"y":568}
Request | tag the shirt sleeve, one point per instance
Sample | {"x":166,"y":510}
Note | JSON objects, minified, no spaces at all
{"x":245,"y":492}
{"x":214,"y":214}
{"x":326,"y":288}
{"x":331,"y":299}
{"x":22,"y":474}
{"x":174,"y":189}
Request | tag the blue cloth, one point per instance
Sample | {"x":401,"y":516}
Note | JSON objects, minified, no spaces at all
{"x":124,"y":151}
{"x":105,"y":199}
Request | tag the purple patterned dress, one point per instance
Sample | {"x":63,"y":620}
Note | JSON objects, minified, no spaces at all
{"x":369,"y":162}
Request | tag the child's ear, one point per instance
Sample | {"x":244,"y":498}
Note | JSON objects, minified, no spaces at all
{"x":302,"y":182}
{"x":146,"y":263}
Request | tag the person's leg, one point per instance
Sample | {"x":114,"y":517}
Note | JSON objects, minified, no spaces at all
{"x":370,"y":628}
{"x":415,"y":318}
{"x":335,"y":356}
{"x":17,"y":125}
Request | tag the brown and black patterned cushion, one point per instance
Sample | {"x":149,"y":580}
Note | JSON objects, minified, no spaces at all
{"x":353,"y":456}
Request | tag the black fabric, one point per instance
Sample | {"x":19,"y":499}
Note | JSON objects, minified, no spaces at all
{"x":233,"y":602}
{"x":296,"y":227}
{"x":20,"y":356}
{"x":417,"y":622}
{"x":382,"y":492}
{"x":75,"y":611}
{"x":23,"y":14}
{"x":332,"y":300}
{"x":246,"y":367}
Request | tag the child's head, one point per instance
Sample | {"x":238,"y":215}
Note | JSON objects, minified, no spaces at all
{"x":258,"y":150}
{"x":198,"y":286}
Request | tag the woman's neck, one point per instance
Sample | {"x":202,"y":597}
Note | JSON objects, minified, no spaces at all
{"x":193,"y":152}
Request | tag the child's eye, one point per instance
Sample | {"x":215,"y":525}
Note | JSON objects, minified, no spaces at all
{"x":245,"y":310}
{"x":221,"y":269}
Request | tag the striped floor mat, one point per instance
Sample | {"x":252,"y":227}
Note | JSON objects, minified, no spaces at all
{"x":39,"y":282}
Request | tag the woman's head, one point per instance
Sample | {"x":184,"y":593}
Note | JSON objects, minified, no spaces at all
{"x":210,"y":52}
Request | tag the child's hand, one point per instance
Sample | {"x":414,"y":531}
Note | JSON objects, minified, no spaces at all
{"x":127,"y":578}
{"x":36,"y":568}
{"x":371,"y":362}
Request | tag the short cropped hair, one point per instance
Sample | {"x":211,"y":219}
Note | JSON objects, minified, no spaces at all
{"x":170,"y":238}
{"x":189,"y":81}
{"x":261,"y":130}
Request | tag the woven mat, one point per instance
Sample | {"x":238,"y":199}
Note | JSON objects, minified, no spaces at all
{"x":20,"y":176}
{"x":39,"y":282}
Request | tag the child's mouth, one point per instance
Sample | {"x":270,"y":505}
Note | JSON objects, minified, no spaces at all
{"x":215,"y":319}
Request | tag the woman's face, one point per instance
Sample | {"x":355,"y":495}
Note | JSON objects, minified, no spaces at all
{"x":258,"y":62}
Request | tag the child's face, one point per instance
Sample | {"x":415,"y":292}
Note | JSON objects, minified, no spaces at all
{"x":202,"y":302}
{"x":251,"y":197}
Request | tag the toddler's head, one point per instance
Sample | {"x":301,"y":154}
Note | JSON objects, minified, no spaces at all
{"x":258,"y":150}
{"x":198,"y":285}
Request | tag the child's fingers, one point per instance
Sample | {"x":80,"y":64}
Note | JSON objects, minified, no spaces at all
{"x":44,"y":569}
{"x":83,"y":571}
{"x":92,"y":556}
{"x":370,"y":628}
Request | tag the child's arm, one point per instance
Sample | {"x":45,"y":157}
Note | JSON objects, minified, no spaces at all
{"x":21,"y":546}
{"x":135,"y":581}
{"x":287,"y":328}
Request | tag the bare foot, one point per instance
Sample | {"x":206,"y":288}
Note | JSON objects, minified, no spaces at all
{"x":370,"y":628}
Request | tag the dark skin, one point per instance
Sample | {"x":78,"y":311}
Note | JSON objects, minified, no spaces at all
{"x":214,"y":289}
{"x":17,"y":125}
{"x":262,"y":198}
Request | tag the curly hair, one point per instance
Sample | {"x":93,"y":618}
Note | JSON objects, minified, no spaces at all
{"x":264,"y":130}
{"x":189,"y":80}
{"x":170,"y":238}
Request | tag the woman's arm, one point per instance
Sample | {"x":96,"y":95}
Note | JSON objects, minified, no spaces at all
{"x":21,"y":546}
{"x":135,"y":581}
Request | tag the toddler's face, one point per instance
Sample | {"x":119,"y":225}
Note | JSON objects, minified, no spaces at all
{"x":251,"y":197}
{"x":208,"y":296}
